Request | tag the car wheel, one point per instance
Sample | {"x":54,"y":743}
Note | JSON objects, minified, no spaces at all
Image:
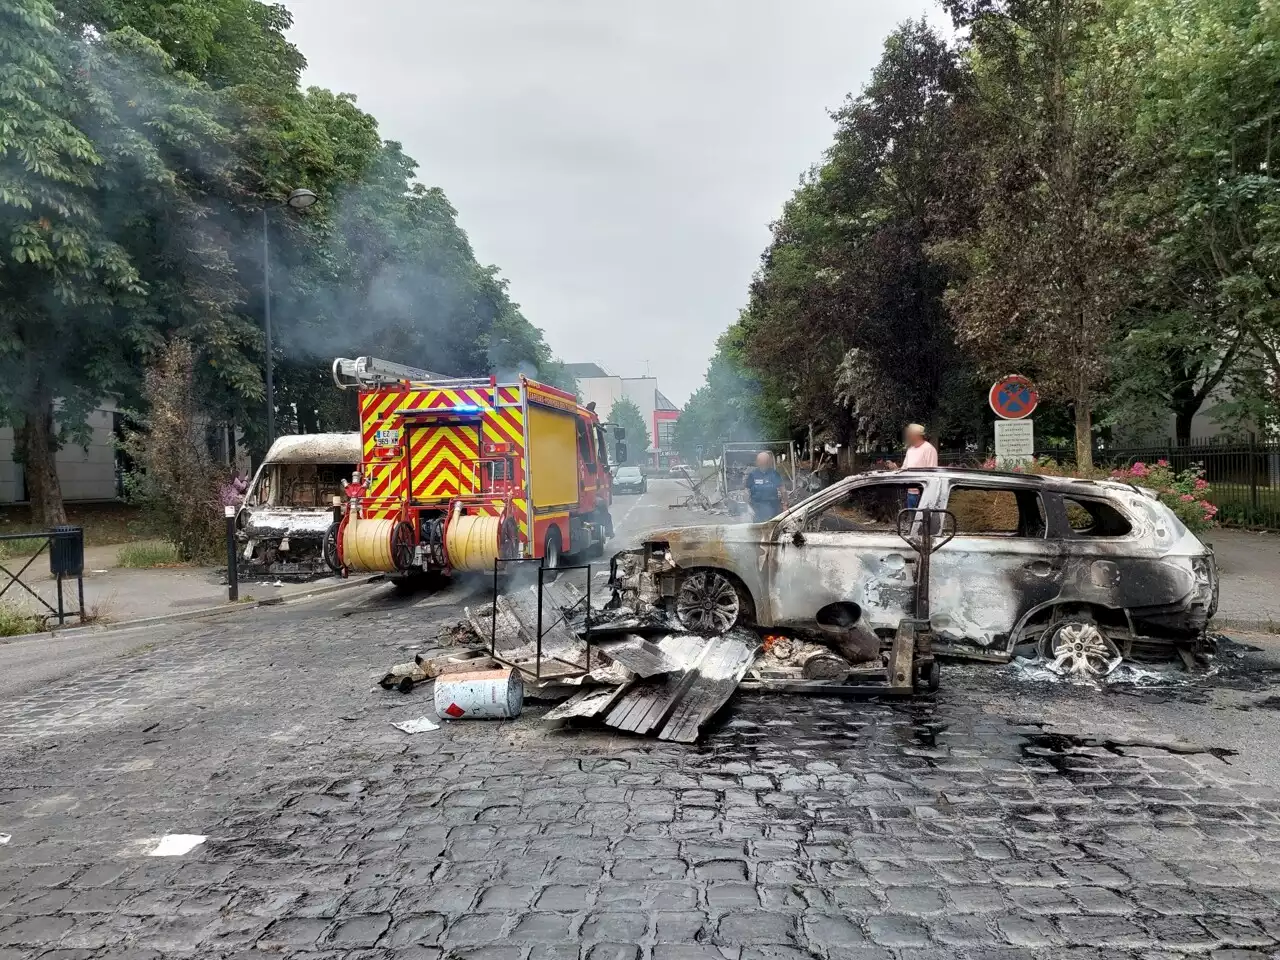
{"x":1078,"y":649}
{"x":709,"y":603}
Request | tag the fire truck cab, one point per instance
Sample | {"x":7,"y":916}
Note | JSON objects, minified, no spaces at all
{"x":458,"y":473}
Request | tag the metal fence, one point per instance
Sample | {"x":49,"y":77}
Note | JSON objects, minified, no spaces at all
{"x":1244,"y":474}
{"x":65,"y":547}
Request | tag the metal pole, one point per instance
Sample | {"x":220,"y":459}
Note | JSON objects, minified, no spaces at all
{"x":61,"y":616}
{"x":266,"y":313}
{"x":493,"y":630}
{"x":538,"y":662}
{"x":1253,"y":475}
{"x":586,"y":621}
{"x":80,"y":593}
{"x":233,"y":580}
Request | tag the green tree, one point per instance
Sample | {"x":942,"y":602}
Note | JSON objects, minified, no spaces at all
{"x":627,"y":415}
{"x":1050,"y":262}
{"x":1205,"y":75}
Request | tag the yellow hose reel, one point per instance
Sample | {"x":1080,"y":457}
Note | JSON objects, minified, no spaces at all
{"x":377,"y":546}
{"x":471,"y":541}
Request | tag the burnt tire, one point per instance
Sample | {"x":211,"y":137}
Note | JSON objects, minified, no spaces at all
{"x":709,"y":602}
{"x":330,"y":548}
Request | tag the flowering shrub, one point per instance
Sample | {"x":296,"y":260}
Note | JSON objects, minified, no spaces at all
{"x":1186,"y":493}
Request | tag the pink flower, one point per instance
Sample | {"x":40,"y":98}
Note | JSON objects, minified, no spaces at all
{"x":1201,"y":483}
{"x":1162,"y":463}
{"x":1139,"y":469}
{"x":1118,"y":474}
{"x":1187,"y":498}
{"x":989,"y":463}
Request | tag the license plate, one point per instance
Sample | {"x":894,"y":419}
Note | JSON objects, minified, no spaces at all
{"x":387,"y":438}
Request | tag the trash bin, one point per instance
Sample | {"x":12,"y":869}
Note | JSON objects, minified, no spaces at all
{"x":66,"y":552}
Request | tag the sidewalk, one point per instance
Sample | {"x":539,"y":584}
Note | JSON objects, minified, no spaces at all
{"x":114,"y":594}
{"x":1249,"y":572}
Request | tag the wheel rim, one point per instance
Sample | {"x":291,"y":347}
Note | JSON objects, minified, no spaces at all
{"x":551,"y":555}
{"x":708,"y":603}
{"x":1082,"y":651}
{"x":331,"y":548}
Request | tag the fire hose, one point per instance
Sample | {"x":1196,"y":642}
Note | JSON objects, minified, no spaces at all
{"x":473,"y":542}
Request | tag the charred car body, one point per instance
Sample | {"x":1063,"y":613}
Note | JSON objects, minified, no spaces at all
{"x":1090,"y":572}
{"x":288,"y":511}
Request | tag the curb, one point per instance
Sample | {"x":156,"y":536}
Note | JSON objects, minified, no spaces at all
{"x":221,"y":610}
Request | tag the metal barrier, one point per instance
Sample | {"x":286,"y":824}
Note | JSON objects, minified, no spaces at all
{"x":541,"y":630}
{"x":66,"y":561}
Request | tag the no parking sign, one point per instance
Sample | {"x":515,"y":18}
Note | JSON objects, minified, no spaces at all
{"x":1013,"y":397}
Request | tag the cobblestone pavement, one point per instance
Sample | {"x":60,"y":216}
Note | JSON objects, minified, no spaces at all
{"x":984,"y":824}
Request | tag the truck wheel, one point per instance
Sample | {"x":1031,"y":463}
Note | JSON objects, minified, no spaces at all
{"x":552,"y":551}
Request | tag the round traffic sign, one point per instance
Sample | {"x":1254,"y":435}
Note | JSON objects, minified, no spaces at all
{"x":1013,"y":397}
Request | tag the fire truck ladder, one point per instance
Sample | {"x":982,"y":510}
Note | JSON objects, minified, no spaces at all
{"x":372,"y":372}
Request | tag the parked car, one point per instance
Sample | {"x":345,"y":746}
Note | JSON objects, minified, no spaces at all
{"x":630,"y":480}
{"x":1088,"y":571}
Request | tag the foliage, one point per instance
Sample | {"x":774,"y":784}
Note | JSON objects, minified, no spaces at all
{"x":176,"y":480}
{"x":733,"y":404}
{"x":145,"y":148}
{"x":627,"y":415}
{"x":1205,"y":73}
{"x":848,"y":303}
{"x":1185,"y":492}
{"x":148,"y":555}
{"x":17,"y":621}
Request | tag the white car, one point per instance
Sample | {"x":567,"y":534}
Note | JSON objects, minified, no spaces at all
{"x":1089,"y":570}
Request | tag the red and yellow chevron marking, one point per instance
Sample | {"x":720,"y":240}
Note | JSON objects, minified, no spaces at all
{"x":437,"y":455}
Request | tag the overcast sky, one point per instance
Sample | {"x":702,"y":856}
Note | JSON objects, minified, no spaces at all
{"x":619,"y":161}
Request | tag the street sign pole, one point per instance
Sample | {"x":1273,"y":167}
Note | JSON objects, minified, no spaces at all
{"x":1013,"y":399}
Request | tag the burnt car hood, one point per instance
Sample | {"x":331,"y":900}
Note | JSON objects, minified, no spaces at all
{"x":264,"y":523}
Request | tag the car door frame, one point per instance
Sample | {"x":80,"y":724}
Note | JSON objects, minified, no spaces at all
{"x":874,"y":570}
{"x":983,"y":585}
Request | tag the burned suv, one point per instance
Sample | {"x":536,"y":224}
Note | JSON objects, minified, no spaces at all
{"x":1088,"y":571}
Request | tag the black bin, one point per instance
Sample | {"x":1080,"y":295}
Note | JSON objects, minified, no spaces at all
{"x":66,"y":552}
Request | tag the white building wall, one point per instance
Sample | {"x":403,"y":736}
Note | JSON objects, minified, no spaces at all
{"x":86,"y":473}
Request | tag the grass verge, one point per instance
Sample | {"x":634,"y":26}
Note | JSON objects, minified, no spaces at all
{"x":17,"y":622}
{"x":148,"y":555}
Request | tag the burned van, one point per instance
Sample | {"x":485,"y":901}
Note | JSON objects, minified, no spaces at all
{"x":289,"y":508}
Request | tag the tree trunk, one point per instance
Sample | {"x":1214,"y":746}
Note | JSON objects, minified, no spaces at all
{"x":1183,"y":417}
{"x":1084,"y":432}
{"x":36,"y":443}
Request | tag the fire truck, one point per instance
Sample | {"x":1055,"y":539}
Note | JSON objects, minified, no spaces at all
{"x":458,"y":473}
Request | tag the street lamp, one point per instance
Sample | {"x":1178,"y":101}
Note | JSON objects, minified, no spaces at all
{"x":299,"y":199}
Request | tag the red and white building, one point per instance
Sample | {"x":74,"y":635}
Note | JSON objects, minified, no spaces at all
{"x":596,"y":384}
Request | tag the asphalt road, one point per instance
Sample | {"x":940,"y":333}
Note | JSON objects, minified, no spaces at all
{"x":1004,"y":817}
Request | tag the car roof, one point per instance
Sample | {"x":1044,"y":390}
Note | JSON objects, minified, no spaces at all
{"x":1004,"y":478}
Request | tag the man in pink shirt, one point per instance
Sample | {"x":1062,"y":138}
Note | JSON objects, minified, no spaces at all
{"x":920,"y":453}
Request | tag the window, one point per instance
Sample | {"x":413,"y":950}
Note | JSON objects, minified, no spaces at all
{"x":584,"y":445}
{"x":874,"y":508}
{"x":986,"y":512}
{"x":666,"y":434}
{"x":1095,"y":518}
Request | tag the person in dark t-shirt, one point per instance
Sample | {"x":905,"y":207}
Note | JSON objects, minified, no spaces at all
{"x":764,"y":488}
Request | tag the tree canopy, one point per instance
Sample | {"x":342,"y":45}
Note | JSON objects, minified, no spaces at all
{"x":141,"y":143}
{"x":1083,"y":191}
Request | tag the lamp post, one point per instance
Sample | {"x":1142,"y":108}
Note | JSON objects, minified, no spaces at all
{"x":298,"y":199}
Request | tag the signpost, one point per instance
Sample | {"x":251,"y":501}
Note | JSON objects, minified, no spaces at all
{"x":1013,"y":399}
{"x":1015,"y":441}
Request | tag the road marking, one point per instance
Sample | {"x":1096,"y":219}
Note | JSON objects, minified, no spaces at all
{"x":177,"y":844}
